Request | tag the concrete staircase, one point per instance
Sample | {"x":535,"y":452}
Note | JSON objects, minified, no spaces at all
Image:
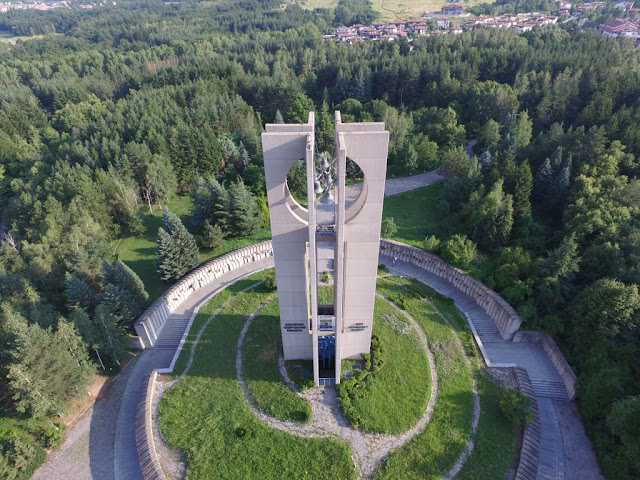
{"x":172,"y":333}
{"x":550,"y":389}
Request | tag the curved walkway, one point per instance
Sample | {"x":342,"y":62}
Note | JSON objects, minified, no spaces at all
{"x":554,"y":460}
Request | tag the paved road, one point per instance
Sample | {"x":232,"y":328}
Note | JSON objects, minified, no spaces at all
{"x":560,"y":425}
{"x":394,"y":186}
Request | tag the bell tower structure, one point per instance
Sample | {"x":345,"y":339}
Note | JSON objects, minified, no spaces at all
{"x":334,"y":240}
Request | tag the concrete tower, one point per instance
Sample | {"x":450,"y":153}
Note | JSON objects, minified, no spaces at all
{"x":339,"y":234}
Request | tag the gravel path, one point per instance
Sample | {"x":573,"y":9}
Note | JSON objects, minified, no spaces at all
{"x":367,"y":449}
{"x":579,"y":459}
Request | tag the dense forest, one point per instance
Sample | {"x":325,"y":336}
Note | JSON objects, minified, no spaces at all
{"x":121,"y":108}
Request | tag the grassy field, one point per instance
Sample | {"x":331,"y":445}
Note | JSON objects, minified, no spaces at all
{"x":416,"y":214}
{"x":262,"y":346}
{"x":390,"y":10}
{"x":206,"y":417}
{"x":207,"y":310}
{"x":434,"y":451}
{"x":399,"y":392}
{"x":140,"y":252}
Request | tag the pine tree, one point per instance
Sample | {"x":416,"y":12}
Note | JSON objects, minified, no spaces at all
{"x":485,"y":162}
{"x":325,"y":128}
{"x":212,"y":236}
{"x":522,"y":191}
{"x":78,"y":292}
{"x":341,"y":87}
{"x":113,"y":339}
{"x":177,"y":252}
{"x":278,"y":118}
{"x":120,"y":275}
{"x":542,"y":182}
{"x":244,"y":215}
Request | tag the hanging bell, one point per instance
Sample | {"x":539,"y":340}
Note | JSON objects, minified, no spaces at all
{"x":317,"y":188}
{"x":324,"y":163}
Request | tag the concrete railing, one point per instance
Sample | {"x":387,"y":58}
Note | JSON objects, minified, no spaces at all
{"x":555,"y":355}
{"x":151,"y":322}
{"x":504,"y":316}
{"x":145,"y":446}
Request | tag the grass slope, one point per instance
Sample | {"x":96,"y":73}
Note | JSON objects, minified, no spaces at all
{"x":416,"y":214}
{"x":262,"y":346}
{"x":435,"y":450}
{"x":206,"y":417}
{"x":495,"y":439}
{"x":139,"y":252}
{"x":399,"y":392}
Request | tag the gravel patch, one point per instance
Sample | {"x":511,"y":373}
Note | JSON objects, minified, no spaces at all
{"x":579,"y":458}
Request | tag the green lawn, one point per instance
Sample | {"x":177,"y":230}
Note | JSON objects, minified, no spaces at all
{"x":206,"y":417}
{"x":139,"y":252}
{"x":399,"y":392}
{"x":417,"y":215}
{"x":262,"y":346}
{"x":434,"y":451}
{"x":209,"y":309}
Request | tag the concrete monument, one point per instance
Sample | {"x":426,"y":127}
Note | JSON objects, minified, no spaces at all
{"x":339,"y":233}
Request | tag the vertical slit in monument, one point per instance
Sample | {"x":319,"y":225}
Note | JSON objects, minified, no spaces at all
{"x":325,"y":214}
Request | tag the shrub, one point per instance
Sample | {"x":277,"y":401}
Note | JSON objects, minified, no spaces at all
{"x":515,"y":407}
{"x":432,"y":244}
{"x":459,"y":251}
{"x":388,"y":228}
{"x":270,"y":279}
{"x":51,"y":435}
{"x":324,"y":277}
{"x":306,"y":384}
{"x":357,"y":386}
{"x":382,"y":268}
{"x":19,"y":454}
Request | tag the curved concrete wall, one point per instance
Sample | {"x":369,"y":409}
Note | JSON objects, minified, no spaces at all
{"x":146,"y":447}
{"x":505,"y":317}
{"x":151,"y":322}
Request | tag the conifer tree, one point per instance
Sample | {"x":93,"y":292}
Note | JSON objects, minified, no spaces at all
{"x":177,"y":252}
{"x":212,"y":237}
{"x":120,"y":275}
{"x":522,"y":191}
{"x":278,"y":118}
{"x":244,"y":215}
{"x":542,"y":182}
{"x":78,"y":292}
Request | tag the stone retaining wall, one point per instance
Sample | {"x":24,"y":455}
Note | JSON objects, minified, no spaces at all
{"x":150,"y":323}
{"x":530,"y":452}
{"x":505,"y":317}
{"x":145,"y":445}
{"x":555,"y":355}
